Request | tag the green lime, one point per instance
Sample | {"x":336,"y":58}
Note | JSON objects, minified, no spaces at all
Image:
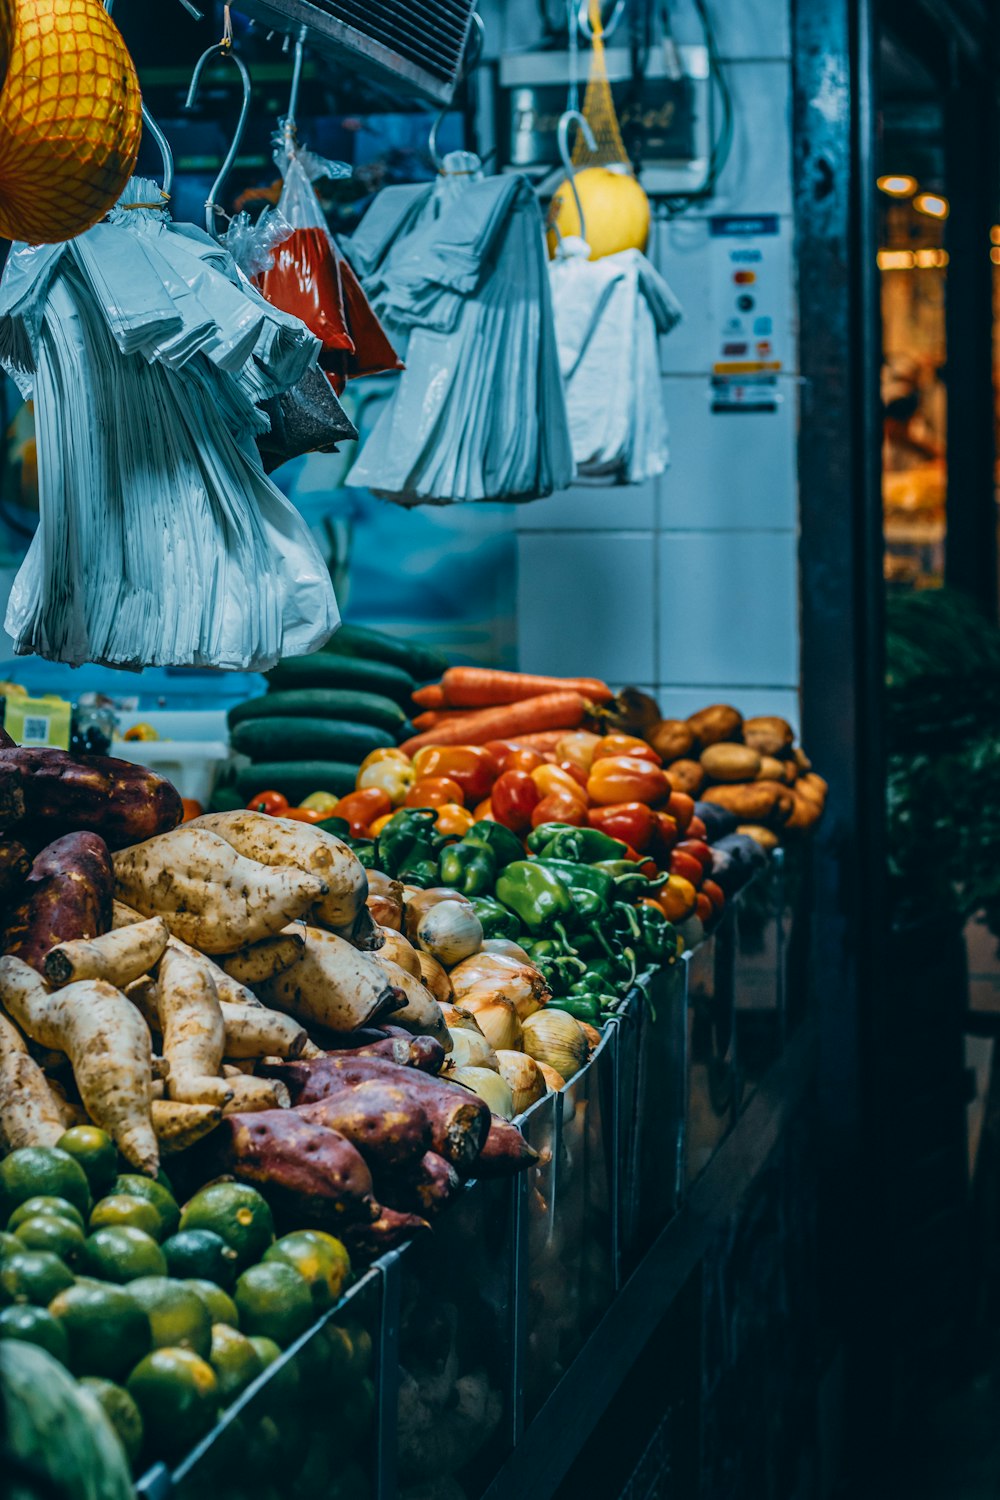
{"x":9,"y":1244}
{"x":178,"y":1319}
{"x":120,"y":1410}
{"x":120,"y":1253}
{"x":268,"y":1350}
{"x":35,"y":1326}
{"x":107,"y":1329}
{"x":236,"y":1212}
{"x":283,"y":1385}
{"x":235,"y":1361}
{"x":42,"y":1170}
{"x":122,"y":1208}
{"x":320,"y":1260}
{"x":221,"y":1307}
{"x":96,"y":1152}
{"x":154,"y":1192}
{"x":272,"y":1299}
{"x":57,"y":1207}
{"x":49,"y":1232}
{"x":34,"y":1276}
{"x":201,"y":1253}
{"x":178,"y":1395}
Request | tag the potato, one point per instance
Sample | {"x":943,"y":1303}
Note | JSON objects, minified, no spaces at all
{"x":764,"y":802}
{"x":768,"y":734}
{"x":672,"y":739}
{"x":805,"y":814}
{"x":762,"y":836}
{"x":813,"y":787}
{"x":686,"y":776}
{"x":801,"y":759}
{"x":710,"y":726}
{"x":730,"y":763}
{"x":772,"y":769}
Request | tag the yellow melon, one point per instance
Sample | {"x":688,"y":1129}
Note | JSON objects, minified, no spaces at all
{"x":70,"y":118}
{"x":615,"y":211}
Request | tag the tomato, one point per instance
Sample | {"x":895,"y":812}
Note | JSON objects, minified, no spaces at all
{"x":696,"y":829}
{"x":484,"y":812}
{"x":687,"y":867}
{"x":434,"y":791}
{"x":578,"y":747}
{"x":626,"y":744}
{"x":704,"y":909}
{"x":677,"y":898}
{"x":560,"y":807}
{"x":550,"y":779}
{"x":192,"y":809}
{"x":453,"y":818}
{"x":578,"y":774}
{"x":306,"y":815}
{"x":665,"y":836}
{"x":714,"y":893}
{"x":515,"y":797}
{"x":392,"y":776}
{"x":681,"y":808}
{"x":269,"y":802}
{"x":522,"y":760}
{"x":626,"y":778}
{"x":699,"y":850}
{"x":632,"y":822}
{"x":472,"y":766}
{"x":373,"y":758}
{"x":359,"y":809}
{"x":374,"y":829}
{"x":324,"y":801}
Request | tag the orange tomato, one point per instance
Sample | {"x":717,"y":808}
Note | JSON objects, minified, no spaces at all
{"x":550,"y":779}
{"x":433,"y":791}
{"x":472,"y":766}
{"x":192,"y":809}
{"x":627,"y":778}
{"x":453,"y":819}
{"x":484,"y":812}
{"x":307,"y":815}
{"x":359,"y":809}
{"x":578,"y":747}
{"x":560,"y":807}
{"x":678,"y":898}
{"x":626,"y":744}
{"x":375,"y":828}
{"x":704,"y":909}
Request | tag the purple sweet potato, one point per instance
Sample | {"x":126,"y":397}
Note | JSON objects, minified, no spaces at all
{"x":302,"y":1165}
{"x":390,"y":1229}
{"x":505,"y":1152}
{"x":124,"y":803}
{"x":424,"y":1189}
{"x":68,"y":894}
{"x":15,"y":867}
{"x":387,"y":1124}
{"x":423,"y":1052}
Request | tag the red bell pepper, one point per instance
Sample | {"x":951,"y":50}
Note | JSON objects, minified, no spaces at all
{"x":515,"y":797}
{"x":687,"y":867}
{"x":560,"y":807}
{"x":632,"y":822}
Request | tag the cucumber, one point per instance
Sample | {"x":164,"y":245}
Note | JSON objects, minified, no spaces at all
{"x":308,"y":739}
{"x":324,"y":669}
{"x":323,"y":703}
{"x":422,"y":662}
{"x":296,"y":778}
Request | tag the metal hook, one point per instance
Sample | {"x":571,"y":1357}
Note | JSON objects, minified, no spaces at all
{"x":223,"y":50}
{"x":583,"y":20}
{"x":147,"y":119}
{"x":568,"y":118}
{"x":470,"y":63}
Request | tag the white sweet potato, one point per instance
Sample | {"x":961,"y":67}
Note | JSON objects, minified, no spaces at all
{"x":208,"y":894}
{"x":251,"y":1094}
{"x":421,"y":1013}
{"x":331,"y":985}
{"x":30,"y":1113}
{"x":119,"y":957}
{"x":252,"y":965}
{"x":179,"y":1126}
{"x":194,"y":1033}
{"x":108,"y":1046}
{"x":256,"y":1031}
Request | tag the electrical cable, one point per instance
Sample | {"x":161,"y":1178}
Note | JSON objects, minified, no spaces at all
{"x":723,"y":143}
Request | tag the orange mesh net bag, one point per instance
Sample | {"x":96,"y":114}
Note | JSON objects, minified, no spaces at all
{"x":599,"y":107}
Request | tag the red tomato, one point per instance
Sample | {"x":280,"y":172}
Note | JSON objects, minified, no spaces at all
{"x":515,"y":797}
{"x":696,"y":829}
{"x":522,"y":760}
{"x":681,"y":808}
{"x":269,"y":802}
{"x":666,"y":835}
{"x":704,"y":909}
{"x":472,"y":766}
{"x":560,"y":807}
{"x":627,"y":778}
{"x":578,"y":774}
{"x":632,"y":822}
{"x":434,"y":791}
{"x":626,"y":744}
{"x":700,"y":851}
{"x":687,"y":867}
{"x":714,"y":893}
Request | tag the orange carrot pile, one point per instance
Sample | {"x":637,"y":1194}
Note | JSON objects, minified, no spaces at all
{"x":481,"y":687}
{"x":562,"y":710}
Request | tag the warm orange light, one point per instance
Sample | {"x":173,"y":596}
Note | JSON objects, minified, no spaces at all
{"x":927,"y":259}
{"x":932,"y":204}
{"x":995,"y":235}
{"x":995,"y":257}
{"x":897,"y":185}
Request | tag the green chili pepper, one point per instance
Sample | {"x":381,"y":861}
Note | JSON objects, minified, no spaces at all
{"x":658,"y":940}
{"x":423,"y":872}
{"x":625,"y":922}
{"x":630,"y":883}
{"x":470,"y":868}
{"x":582,"y":845}
{"x":581,"y":877}
{"x":545,"y":832}
{"x":505,"y":846}
{"x":582,"y":1007}
{"x":365,"y":851}
{"x":497,"y":921}
{"x":409,"y":839}
{"x":539,"y":898}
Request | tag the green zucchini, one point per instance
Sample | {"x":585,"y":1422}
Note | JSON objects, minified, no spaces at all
{"x":323,"y":703}
{"x":422,"y":662}
{"x":296,"y":778}
{"x":308,"y":739}
{"x":324,"y":669}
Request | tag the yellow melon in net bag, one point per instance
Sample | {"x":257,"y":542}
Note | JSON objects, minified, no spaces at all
{"x":70,"y":119}
{"x":615,"y":212}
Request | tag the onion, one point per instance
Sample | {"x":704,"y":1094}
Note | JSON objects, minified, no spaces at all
{"x":400,"y":952}
{"x":497,"y":1020}
{"x":384,"y":885}
{"x":505,"y":948}
{"x":449,"y":932}
{"x":470,"y":1049}
{"x":553,"y":1081}
{"x":387,"y":911}
{"x":522,"y":1073}
{"x":522,"y":984}
{"x":591,"y":1033}
{"x":417,"y":902}
{"x":458,"y":1019}
{"x":489,"y":1086}
{"x":435,"y":977}
{"x":556,"y":1038}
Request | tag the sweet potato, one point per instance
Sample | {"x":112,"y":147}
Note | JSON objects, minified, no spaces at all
{"x":12,"y":800}
{"x":389,"y":1230}
{"x":264,"y":960}
{"x":67,"y":895}
{"x":423,"y":1052}
{"x":193,"y":1031}
{"x":108,"y":1046}
{"x":672,"y":739}
{"x":179,"y":1126}
{"x":256,"y":1031}
{"x":284,"y":843}
{"x":504,"y":1152}
{"x":424,"y":1188}
{"x":386,"y":1123}
{"x":364,"y":932}
{"x":250,"y":1093}
{"x":768,"y":734}
{"x":15,"y":867}
{"x":716,"y":723}
{"x":124,"y":803}
{"x":421,"y":1013}
{"x":119,"y":957}
{"x":306,"y":1168}
{"x":332,"y":985}
{"x":30,"y":1112}
{"x":207,"y":893}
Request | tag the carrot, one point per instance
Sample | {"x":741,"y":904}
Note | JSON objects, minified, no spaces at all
{"x":434,"y":717}
{"x":509,"y":721}
{"x":480,"y":687}
{"x":429,"y":697}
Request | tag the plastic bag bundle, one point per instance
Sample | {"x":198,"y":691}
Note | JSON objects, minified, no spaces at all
{"x":609,"y":315}
{"x":309,"y":277}
{"x":160,"y":540}
{"x":460,"y":281}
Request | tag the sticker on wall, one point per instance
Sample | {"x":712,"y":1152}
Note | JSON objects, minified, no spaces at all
{"x":748,"y":267}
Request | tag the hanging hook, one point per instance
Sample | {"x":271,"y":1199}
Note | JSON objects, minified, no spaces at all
{"x":568,"y":118}
{"x":583,"y":20}
{"x":222,"y":49}
{"x":151,"y":125}
{"x":470,"y":62}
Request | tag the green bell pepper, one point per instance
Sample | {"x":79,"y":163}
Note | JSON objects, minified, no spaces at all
{"x":505,"y":846}
{"x":581,"y":877}
{"x":582,"y":1007}
{"x":658,"y":937}
{"x":581,"y":845}
{"x":470,"y":868}
{"x":423,"y":872}
{"x":497,"y":921}
{"x":539,"y":898}
{"x":630,"y":883}
{"x":365,"y":851}
{"x":409,"y":839}
{"x":339,"y":827}
{"x":544,"y":833}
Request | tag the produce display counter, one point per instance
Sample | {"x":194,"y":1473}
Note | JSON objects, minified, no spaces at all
{"x":488,"y":1350}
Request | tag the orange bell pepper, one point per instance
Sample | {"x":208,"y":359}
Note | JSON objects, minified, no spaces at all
{"x":560,"y":807}
{"x":550,"y":779}
{"x":522,"y":760}
{"x":578,"y":774}
{"x":626,"y":744}
{"x":704,"y":910}
{"x":626,"y":778}
{"x":359,"y":809}
{"x":714,"y":893}
{"x":434,"y":791}
{"x":472,"y":766}
{"x":579,"y":747}
{"x":192,"y":809}
{"x":632,"y":822}
{"x":452,"y":818}
{"x":678,"y":898}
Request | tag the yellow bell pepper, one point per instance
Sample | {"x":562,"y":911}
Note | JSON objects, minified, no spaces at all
{"x":394,"y":777}
{"x":323,"y":802}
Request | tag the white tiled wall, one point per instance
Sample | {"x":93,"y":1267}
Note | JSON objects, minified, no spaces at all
{"x":689,"y":585}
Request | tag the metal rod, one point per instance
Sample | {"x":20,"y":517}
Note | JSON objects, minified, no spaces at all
{"x":568,"y":118}
{"x":220,"y":48}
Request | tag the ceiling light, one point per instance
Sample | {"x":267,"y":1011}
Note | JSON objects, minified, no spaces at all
{"x":895,"y":260}
{"x":897,"y":184}
{"x":932,"y":204}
